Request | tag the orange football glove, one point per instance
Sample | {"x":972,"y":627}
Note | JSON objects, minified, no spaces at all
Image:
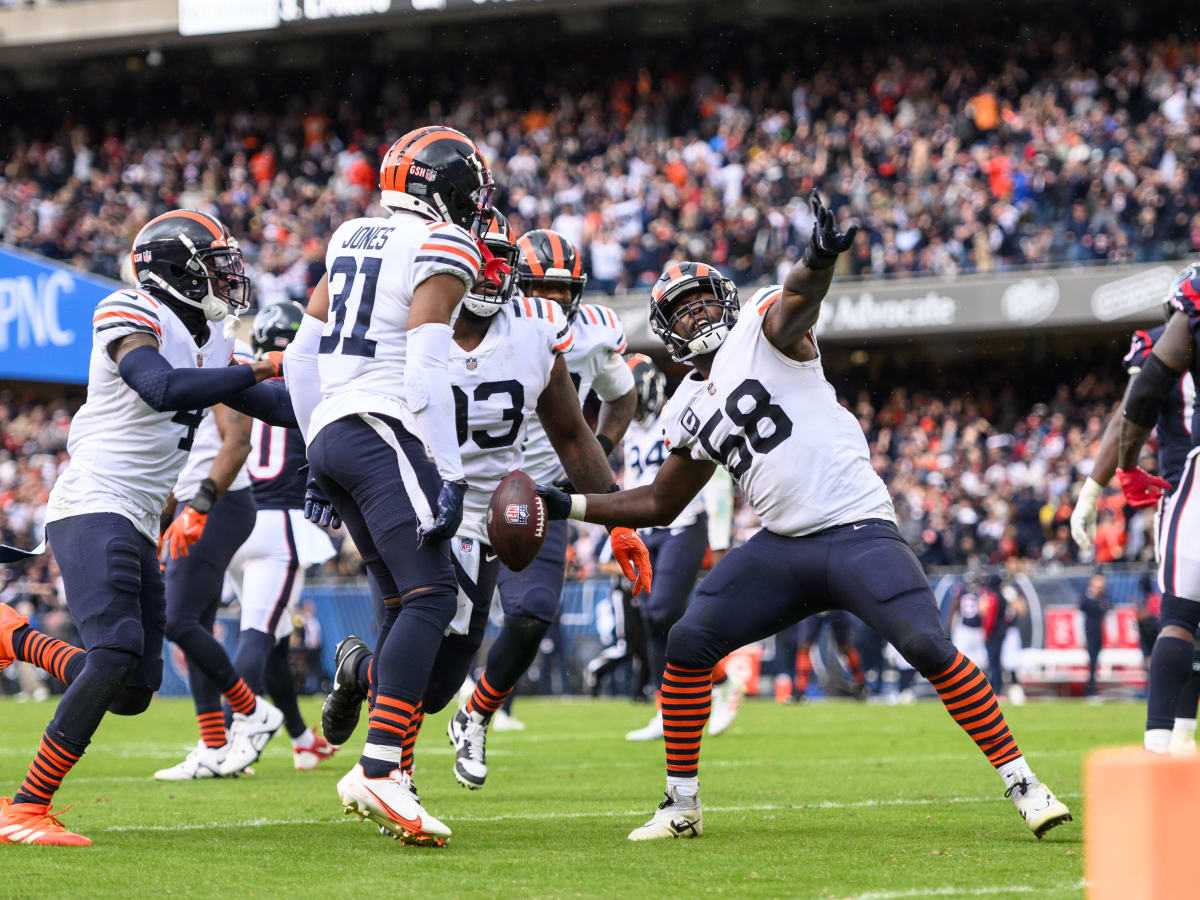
{"x":633,"y":557}
{"x":184,"y":531}
{"x":276,"y":357}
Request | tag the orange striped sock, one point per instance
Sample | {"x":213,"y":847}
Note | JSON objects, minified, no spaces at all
{"x":686,"y":703}
{"x":386,"y":730}
{"x":969,"y":699}
{"x":212,"y":728}
{"x":803,"y":670}
{"x":241,"y":698}
{"x":49,"y":767}
{"x":60,"y":659}
{"x":718,"y":672}
{"x":410,"y":739}
{"x":485,"y":700}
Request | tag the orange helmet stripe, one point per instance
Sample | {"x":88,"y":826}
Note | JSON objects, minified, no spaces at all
{"x":675,"y":272}
{"x":203,"y":219}
{"x":535,"y":265}
{"x":701,"y":270}
{"x":394,"y":175}
{"x":556,"y":248}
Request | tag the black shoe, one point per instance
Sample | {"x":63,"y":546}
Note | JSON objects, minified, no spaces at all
{"x":339,"y":715}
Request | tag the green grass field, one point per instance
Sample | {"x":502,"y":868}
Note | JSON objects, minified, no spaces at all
{"x":827,"y":800}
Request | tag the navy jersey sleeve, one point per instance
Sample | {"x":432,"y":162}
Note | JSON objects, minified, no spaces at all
{"x":1185,"y":293}
{"x":1139,"y":350}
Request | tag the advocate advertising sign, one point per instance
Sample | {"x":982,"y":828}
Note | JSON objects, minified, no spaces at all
{"x":46,"y":317}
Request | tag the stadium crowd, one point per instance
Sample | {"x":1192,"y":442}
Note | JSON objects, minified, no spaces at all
{"x":1057,"y":148}
{"x":979,"y":480}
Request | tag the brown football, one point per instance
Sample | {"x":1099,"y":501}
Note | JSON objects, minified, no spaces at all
{"x":516,"y":521}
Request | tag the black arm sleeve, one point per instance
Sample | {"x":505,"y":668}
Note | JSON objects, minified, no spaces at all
{"x":268,"y":401}
{"x":165,"y":388}
{"x":1149,"y":391}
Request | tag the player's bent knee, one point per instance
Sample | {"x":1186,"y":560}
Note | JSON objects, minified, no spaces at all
{"x":1181,"y":613}
{"x":691,"y":646}
{"x":927,"y":651}
{"x":131,"y":701}
{"x":435,"y":603}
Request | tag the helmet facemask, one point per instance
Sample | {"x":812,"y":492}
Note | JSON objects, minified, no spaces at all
{"x":219,"y":271}
{"x":692,"y":325}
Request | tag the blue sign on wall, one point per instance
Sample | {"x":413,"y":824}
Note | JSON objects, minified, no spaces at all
{"x":46,"y":317}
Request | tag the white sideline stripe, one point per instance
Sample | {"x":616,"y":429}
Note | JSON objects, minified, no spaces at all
{"x":949,"y":891}
{"x":600,"y":814}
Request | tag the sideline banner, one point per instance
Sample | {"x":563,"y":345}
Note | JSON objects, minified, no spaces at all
{"x":46,"y":317}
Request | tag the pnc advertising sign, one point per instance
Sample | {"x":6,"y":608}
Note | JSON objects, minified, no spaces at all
{"x":46,"y":317}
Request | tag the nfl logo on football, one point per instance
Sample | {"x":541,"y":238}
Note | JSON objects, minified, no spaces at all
{"x":516,"y":514}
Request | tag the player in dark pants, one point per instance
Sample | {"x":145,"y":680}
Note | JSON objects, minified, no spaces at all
{"x":794,"y":648}
{"x":758,"y":404}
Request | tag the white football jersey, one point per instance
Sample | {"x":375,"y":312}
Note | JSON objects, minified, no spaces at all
{"x":374,"y":266}
{"x":645,"y":452}
{"x":496,"y":390}
{"x":125,"y":457}
{"x":776,"y":425}
{"x":207,"y":444}
{"x":597,"y":334}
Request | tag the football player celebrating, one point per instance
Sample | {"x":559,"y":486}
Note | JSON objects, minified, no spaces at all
{"x":156,"y":364}
{"x":393,"y":286}
{"x":1174,"y":434}
{"x":549,"y":267}
{"x":676,"y":552}
{"x":1171,"y":357}
{"x":756,"y":403}
{"x":214,"y":481}
{"x":507,"y":363}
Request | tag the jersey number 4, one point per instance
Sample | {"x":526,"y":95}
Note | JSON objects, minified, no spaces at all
{"x":191,"y":421}
{"x":655,"y":457}
{"x":733,"y":451}
{"x":355,"y":343}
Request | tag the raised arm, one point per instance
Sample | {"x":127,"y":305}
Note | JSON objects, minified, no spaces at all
{"x":1170,"y":358}
{"x":789,"y":320}
{"x":1083,"y":516}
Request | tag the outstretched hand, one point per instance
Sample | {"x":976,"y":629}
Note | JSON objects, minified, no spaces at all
{"x":827,"y":239}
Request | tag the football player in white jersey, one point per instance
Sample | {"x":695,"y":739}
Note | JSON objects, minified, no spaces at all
{"x":676,"y":552}
{"x":549,"y":266}
{"x":507,"y":362}
{"x":757,"y":403}
{"x":156,"y":364}
{"x":393,"y":287}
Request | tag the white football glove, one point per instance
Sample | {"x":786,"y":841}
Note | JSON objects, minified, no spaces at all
{"x":1083,"y":516}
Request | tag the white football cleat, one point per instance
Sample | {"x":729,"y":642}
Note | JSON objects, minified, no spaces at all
{"x":248,"y":735}
{"x":308,"y":758}
{"x":1040,"y":809}
{"x":676,"y":817}
{"x":651,"y":732}
{"x":468,"y":733}
{"x":503,"y":721}
{"x":392,"y":804}
{"x":726,"y":698}
{"x":202,"y":762}
{"x":465,"y":692}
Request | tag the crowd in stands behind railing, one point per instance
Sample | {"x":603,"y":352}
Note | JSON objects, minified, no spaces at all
{"x":1041,"y":149}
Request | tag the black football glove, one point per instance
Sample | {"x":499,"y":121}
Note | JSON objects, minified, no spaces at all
{"x":449,"y":512}
{"x":318,"y":508}
{"x":827,"y":239}
{"x":558,"y":503}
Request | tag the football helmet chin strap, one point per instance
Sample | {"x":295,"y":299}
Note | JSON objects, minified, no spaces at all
{"x":481,"y":306}
{"x":710,"y":338}
{"x":215,"y":308}
{"x":398,"y":201}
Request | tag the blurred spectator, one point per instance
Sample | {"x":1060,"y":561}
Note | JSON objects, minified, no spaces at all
{"x":1095,"y":605}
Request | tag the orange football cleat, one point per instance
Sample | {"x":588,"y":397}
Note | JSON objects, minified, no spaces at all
{"x":32,"y":823}
{"x":9,"y":622}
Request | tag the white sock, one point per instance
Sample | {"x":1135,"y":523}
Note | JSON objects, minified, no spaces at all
{"x":684,"y":787}
{"x":1157,"y":740}
{"x":305,"y":740}
{"x":1184,"y":728}
{"x":383,"y":753}
{"x":1016,"y":771}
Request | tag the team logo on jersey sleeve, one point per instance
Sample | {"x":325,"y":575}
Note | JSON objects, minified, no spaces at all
{"x":516,"y":514}
{"x":690,"y":421}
